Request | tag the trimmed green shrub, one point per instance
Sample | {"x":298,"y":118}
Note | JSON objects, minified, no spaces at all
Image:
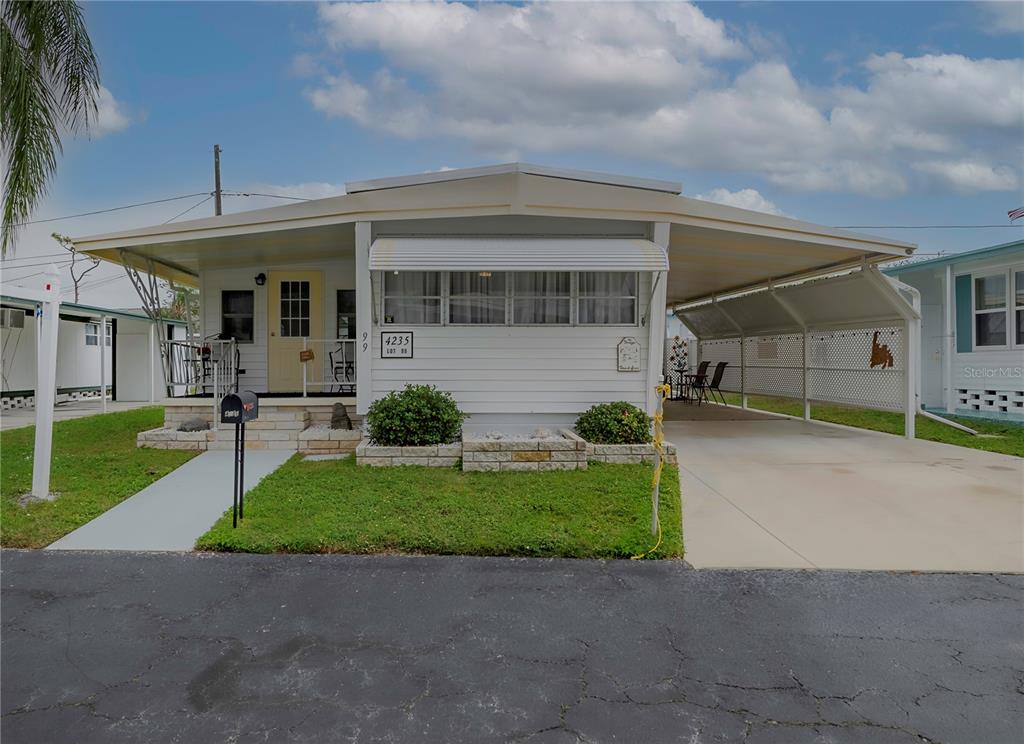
{"x":614,"y":423}
{"x":418,"y":415}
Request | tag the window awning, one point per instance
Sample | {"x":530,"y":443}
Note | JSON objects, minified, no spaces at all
{"x":516,"y":254}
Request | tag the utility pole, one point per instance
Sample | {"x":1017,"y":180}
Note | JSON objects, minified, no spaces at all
{"x":216,"y":180}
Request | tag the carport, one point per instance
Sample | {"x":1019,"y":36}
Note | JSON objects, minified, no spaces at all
{"x":767,"y":491}
{"x":850,"y":339}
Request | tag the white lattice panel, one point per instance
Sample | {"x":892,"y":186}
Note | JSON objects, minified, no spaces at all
{"x":774,"y":365}
{"x":723,"y":350}
{"x":859,"y":367}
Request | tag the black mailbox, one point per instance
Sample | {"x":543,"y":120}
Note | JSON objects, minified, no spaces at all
{"x":240,"y":407}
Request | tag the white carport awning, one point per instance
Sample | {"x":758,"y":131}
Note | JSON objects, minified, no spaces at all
{"x":517,"y":254}
{"x":860,"y":298}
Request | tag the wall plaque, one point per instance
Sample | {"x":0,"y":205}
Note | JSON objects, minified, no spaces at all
{"x":396,"y":345}
{"x":629,"y":355}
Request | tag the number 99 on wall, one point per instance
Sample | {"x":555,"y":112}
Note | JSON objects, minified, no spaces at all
{"x":396,"y":345}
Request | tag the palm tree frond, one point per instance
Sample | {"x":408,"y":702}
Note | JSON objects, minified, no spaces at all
{"x":49,"y":78}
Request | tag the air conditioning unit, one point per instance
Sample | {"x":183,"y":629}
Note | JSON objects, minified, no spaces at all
{"x":12,"y":317}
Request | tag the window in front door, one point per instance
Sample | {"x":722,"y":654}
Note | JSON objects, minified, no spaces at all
{"x":294,"y":308}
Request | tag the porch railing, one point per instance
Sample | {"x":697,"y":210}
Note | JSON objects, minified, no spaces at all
{"x":331,"y":368}
{"x":208,"y":367}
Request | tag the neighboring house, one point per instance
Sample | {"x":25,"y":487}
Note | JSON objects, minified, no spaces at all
{"x":125,"y":366}
{"x":972,"y":345}
{"x":530,"y":293}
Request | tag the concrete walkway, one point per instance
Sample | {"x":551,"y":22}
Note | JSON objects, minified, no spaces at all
{"x":176,"y":510}
{"x":15,"y":418}
{"x":782,"y":493}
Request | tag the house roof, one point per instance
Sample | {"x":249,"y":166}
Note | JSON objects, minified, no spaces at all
{"x":461,"y":174}
{"x":992,"y":251}
{"x":91,"y":310}
{"x":713,"y":248}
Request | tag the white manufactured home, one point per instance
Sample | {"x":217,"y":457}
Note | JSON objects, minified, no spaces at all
{"x":530,"y":293}
{"x":100,"y":351}
{"x":972,"y":326}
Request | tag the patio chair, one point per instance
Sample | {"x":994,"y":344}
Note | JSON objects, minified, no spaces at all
{"x":692,"y":383}
{"x":713,"y":386}
{"x":342,"y":367}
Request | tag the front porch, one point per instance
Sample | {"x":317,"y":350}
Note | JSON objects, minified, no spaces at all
{"x":285,"y":423}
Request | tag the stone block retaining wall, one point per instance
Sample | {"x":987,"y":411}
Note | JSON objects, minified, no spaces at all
{"x":629,"y":454}
{"x":434,"y":456}
{"x":566,"y":453}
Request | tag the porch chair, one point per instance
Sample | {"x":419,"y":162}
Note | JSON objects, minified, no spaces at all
{"x":342,"y":367}
{"x":716,"y":380}
{"x":691,"y":383}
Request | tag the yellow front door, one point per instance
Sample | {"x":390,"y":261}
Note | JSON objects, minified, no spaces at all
{"x":295,"y":310}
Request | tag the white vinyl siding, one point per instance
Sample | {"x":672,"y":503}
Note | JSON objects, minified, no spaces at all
{"x":497,"y":373}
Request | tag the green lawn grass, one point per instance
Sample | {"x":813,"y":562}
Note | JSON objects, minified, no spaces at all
{"x":997,"y":436}
{"x":336,"y":506}
{"x":95,"y":466}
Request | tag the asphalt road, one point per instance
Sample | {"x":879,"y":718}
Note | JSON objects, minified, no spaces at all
{"x":105,"y":647}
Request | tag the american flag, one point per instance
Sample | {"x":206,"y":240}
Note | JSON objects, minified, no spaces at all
{"x":1015,"y":214}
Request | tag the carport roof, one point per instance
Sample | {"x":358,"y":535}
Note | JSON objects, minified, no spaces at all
{"x":857,"y":298}
{"x":713,"y":248}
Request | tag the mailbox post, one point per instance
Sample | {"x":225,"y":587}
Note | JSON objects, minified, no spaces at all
{"x":238,"y":408}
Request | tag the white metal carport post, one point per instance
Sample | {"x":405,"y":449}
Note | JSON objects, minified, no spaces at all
{"x":656,"y":321}
{"x":103,"y":363}
{"x":152,"y":362}
{"x":364,"y":317}
{"x":46,"y":379}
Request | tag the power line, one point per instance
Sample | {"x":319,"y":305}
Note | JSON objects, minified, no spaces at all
{"x":95,"y":284}
{"x":41,"y":263}
{"x":190,"y":208}
{"x":271,"y":196}
{"x":31,"y":258}
{"x":114,"y":209}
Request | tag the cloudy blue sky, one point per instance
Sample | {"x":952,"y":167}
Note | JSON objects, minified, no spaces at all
{"x":838,"y":113}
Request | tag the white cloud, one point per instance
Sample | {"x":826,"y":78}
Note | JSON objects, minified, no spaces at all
{"x":744,"y":199}
{"x":970,"y":176}
{"x":110,"y":115}
{"x":647,"y":80}
{"x":1004,"y":17}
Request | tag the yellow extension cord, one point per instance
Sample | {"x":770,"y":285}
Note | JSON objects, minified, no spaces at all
{"x":663,"y":391}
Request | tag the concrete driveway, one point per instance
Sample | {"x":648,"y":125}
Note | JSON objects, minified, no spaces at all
{"x":766,"y":492}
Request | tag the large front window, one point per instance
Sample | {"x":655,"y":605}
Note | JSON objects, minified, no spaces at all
{"x":476,"y":298}
{"x":412,"y":297}
{"x":510,"y":298}
{"x":607,"y":298}
{"x":541,"y":297}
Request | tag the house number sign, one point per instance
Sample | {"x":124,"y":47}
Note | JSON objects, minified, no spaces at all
{"x":629,"y":355}
{"x":396,"y":345}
